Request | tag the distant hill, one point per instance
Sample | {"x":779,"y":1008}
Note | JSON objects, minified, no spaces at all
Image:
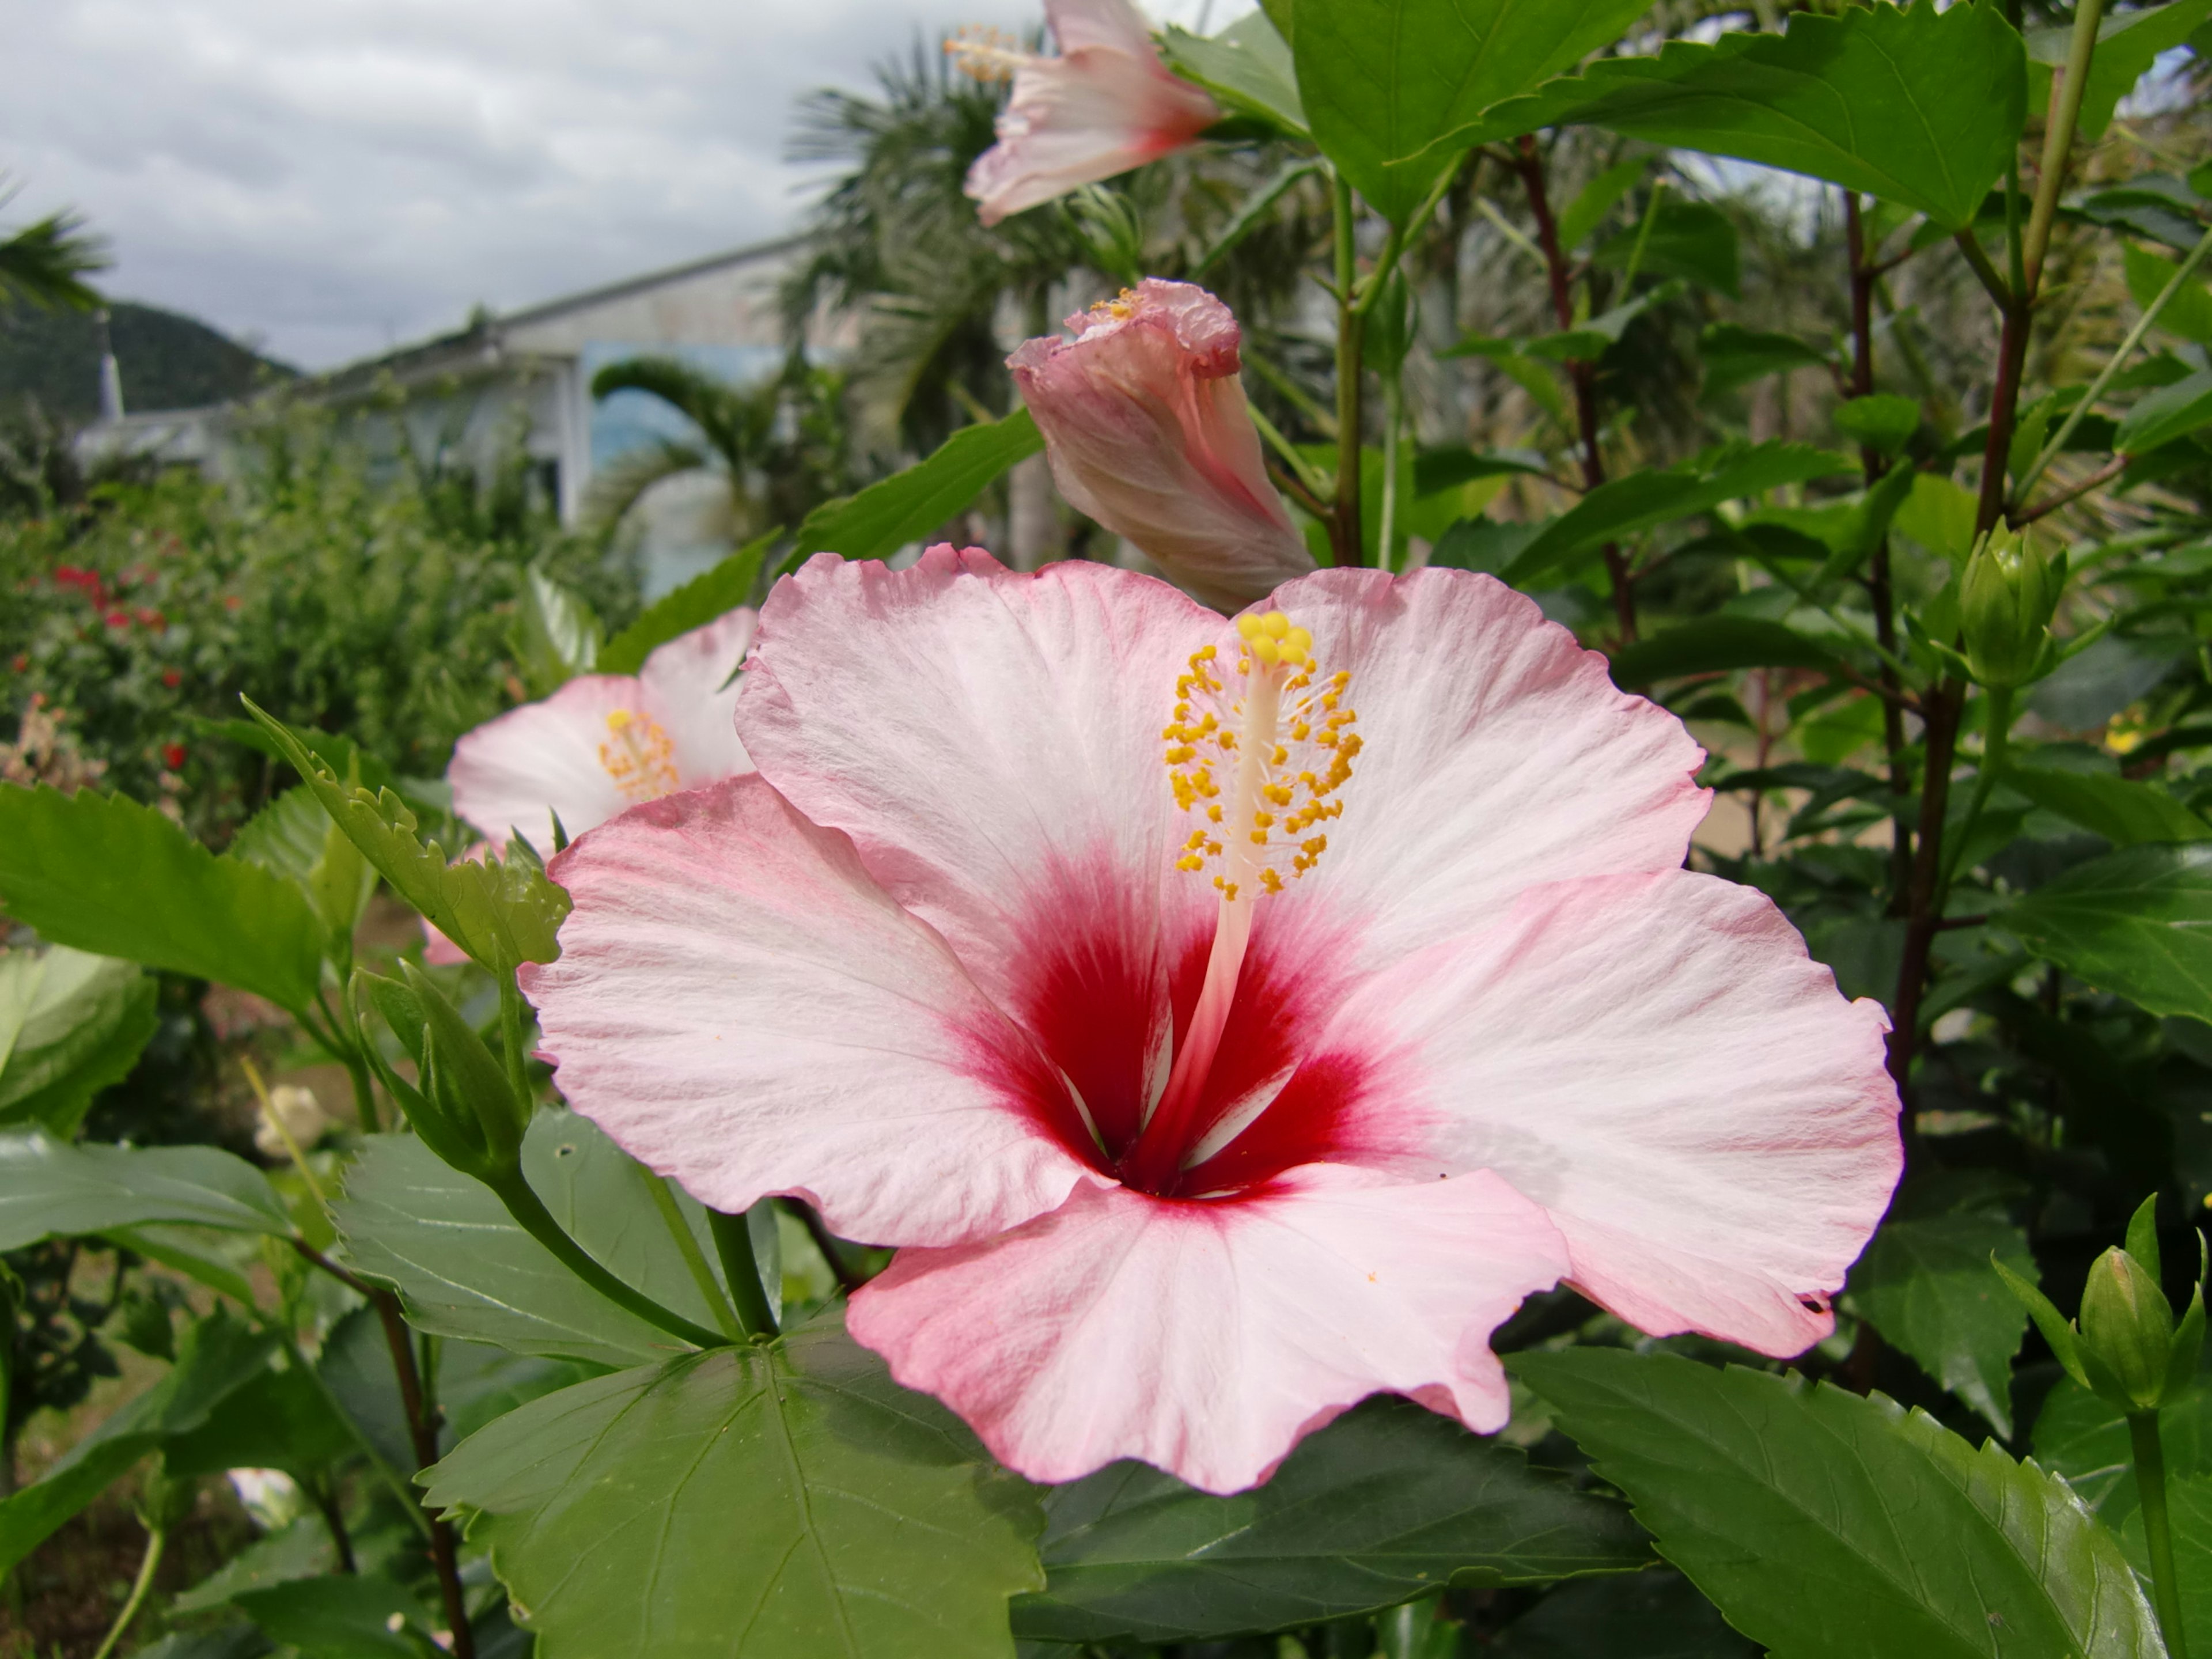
{"x":167,"y":362}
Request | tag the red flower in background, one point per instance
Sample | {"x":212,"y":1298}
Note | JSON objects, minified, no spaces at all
{"x":173,"y":755}
{"x":172,"y":679}
{"x":118,"y":619}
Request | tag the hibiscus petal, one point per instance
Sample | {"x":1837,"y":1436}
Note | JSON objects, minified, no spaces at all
{"x":743,"y":1009}
{"x":510,"y":774}
{"x":1497,"y":755}
{"x":1655,"y":1060}
{"x":690,"y":690}
{"x":1208,"y":1339}
{"x":990,"y":741}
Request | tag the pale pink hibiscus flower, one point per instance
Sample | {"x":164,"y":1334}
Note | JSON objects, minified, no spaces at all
{"x":1178,"y":1174}
{"x":1107,"y":104}
{"x":1146,"y":425}
{"x":604,"y":743}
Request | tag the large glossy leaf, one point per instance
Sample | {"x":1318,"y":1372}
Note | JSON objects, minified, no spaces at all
{"x":464,"y":1268}
{"x":219,"y":1356}
{"x":2137,"y":923}
{"x":51,"y":1190}
{"x":104,"y":874}
{"x":1919,"y":107}
{"x":342,"y":1616}
{"x":2124,"y":813}
{"x":2189,"y":1513}
{"x":763,"y":1501}
{"x":908,"y":506}
{"x":1643,"y":499}
{"x":1711,"y":644}
{"x":502,"y":911}
{"x":1390,"y":1502}
{"x":1381,"y":80}
{"x":698,"y":602}
{"x":1829,"y":1526}
{"x":2085,"y":1439}
{"x":1927,"y":1285}
{"x":70,"y":1025}
{"x":1645,"y":1615}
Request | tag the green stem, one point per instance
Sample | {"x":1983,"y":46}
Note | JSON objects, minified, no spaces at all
{"x":2058,"y":139}
{"x":1997,"y":727}
{"x":2157,"y":1532}
{"x":2118,"y":360}
{"x":733,"y":1242}
{"x":1394,"y":414}
{"x":1642,"y":237}
{"x":530,"y":1211}
{"x":511,"y":1023}
{"x":1301,"y":468}
{"x":155,"y":1540}
{"x":1345,"y":534}
{"x":687,"y":1246}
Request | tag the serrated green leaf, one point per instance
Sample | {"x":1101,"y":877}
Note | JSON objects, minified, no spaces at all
{"x":2189,"y":1517}
{"x":104,"y":874}
{"x":706,"y":596}
{"x":2124,"y":813}
{"x":909,"y":505}
{"x":2189,"y":313}
{"x":2137,"y":922}
{"x":1595,"y":199}
{"x":70,"y":1025}
{"x":2165,"y":414}
{"x":219,"y":1355}
{"x":1380,"y":80}
{"x":753,"y":1502}
{"x":463,"y":1266}
{"x":1884,"y":422}
{"x":1919,"y":108}
{"x":1694,"y":240}
{"x":503,"y":912}
{"x":302,"y":1550}
{"x":1388,"y":1502}
{"x":1734,"y":356}
{"x":1830,"y":1526}
{"x":50,"y":1190}
{"x":342,"y":1616}
{"x":2085,"y":1439}
{"x":1648,"y":1615}
{"x":1927,"y":1285}
{"x":1712,"y":644}
{"x":555,"y":636}
{"x":1247,"y":66}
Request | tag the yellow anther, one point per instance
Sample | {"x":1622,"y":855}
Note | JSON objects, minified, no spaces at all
{"x":1214,"y":813}
{"x":1271,"y":881}
{"x":1265,"y":820}
{"x":1190,"y":862}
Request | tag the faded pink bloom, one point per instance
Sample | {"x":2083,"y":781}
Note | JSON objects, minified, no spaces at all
{"x":1105,"y":105}
{"x":603,"y":742}
{"x":1195,"y":1130}
{"x":1145,"y":421}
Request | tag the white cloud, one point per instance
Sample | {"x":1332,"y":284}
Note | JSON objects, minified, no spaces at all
{"x":330,"y":177}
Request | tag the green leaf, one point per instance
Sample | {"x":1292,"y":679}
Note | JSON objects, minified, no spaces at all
{"x":1927,"y":1285}
{"x":1247,"y":66}
{"x":102,"y":873}
{"x":502,"y":911}
{"x":2124,"y":812}
{"x":70,"y":1025}
{"x":1694,"y":240}
{"x":1735,"y":355}
{"x":2085,"y":1439}
{"x":908,"y":506}
{"x":302,"y":1550}
{"x":2128,"y":44}
{"x":1381,"y":81}
{"x":342,"y":1616}
{"x":294,"y":837}
{"x":1597,"y":198}
{"x":1648,"y":1615}
{"x":1713,"y":644}
{"x":1884,"y":422}
{"x":276,"y":1420}
{"x":1919,"y":108}
{"x":50,"y":1190}
{"x":2189,"y":1515}
{"x":1643,"y":499}
{"x":785,"y":1499}
{"x":463,"y":1266}
{"x":2189,"y":313}
{"x":711,"y":594}
{"x":2160,"y":416}
{"x":2137,"y":922}
{"x":1439,"y":470}
{"x":219,"y":1355}
{"x":1388,"y":1502}
{"x":1829,"y":1526}
{"x":556,"y":637}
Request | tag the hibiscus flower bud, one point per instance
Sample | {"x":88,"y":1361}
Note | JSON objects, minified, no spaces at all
{"x":1146,"y":425}
{"x":2006,"y":600}
{"x":1105,"y":105}
{"x":2127,"y":1330}
{"x":465,"y":1108}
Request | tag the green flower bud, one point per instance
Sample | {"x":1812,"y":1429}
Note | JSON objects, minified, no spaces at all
{"x":2127,"y":1332}
{"x":462,"y":1106}
{"x":2006,"y":601}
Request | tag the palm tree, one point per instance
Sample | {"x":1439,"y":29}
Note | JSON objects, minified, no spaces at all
{"x":45,"y":263}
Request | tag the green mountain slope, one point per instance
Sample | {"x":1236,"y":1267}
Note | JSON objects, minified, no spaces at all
{"x":167,"y":362}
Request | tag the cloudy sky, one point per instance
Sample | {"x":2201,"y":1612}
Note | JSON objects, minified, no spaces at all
{"x":326,"y":178}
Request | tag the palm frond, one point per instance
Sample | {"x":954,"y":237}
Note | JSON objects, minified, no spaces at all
{"x":46,"y":263}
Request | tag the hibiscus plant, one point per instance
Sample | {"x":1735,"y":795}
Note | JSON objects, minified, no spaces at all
{"x":940,"y":1109}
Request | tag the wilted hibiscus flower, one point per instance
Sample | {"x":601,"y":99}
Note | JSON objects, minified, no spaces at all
{"x":1105,"y":105}
{"x":604,"y":742}
{"x":1226,"y":1021}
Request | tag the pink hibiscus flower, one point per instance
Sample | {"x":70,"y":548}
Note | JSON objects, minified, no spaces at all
{"x":1146,"y":425}
{"x":1105,"y":105}
{"x":603,"y":742}
{"x":1227,"y":1022}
